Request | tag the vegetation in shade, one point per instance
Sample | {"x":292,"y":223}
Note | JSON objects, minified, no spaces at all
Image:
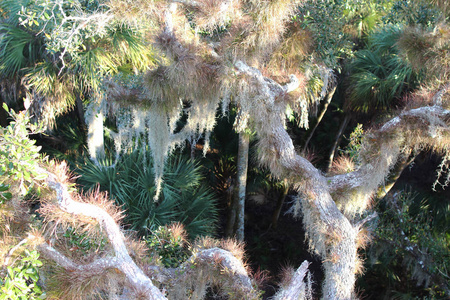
{"x":410,"y":256}
{"x":130,"y":182}
{"x":21,"y":280}
{"x":379,"y":75}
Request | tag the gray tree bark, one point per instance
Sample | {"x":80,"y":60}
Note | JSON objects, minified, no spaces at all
{"x":242,"y":169}
{"x":95,"y":136}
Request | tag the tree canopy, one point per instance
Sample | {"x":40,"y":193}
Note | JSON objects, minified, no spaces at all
{"x":159,"y":70}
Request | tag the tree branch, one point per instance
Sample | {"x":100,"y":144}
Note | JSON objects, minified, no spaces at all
{"x":298,"y":288}
{"x":330,"y":232}
{"x":97,"y":267}
{"x":389,"y":141}
{"x":141,"y":284}
{"x":216,"y":267}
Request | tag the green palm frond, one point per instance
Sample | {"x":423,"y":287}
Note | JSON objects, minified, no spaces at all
{"x":103,"y":174}
{"x":14,"y":42}
{"x":384,"y":41}
{"x":129,"y":49}
{"x":11,"y":8}
{"x":41,"y":77}
{"x":130,"y":182}
{"x":379,"y":74}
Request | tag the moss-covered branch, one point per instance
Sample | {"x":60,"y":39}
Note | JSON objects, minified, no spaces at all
{"x":140,"y":283}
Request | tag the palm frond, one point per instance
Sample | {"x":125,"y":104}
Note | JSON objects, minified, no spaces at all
{"x":11,"y":9}
{"x":13,"y":44}
{"x":130,"y":182}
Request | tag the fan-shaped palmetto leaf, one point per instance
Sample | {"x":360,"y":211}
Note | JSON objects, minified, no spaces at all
{"x":14,"y":42}
{"x":384,"y":41}
{"x":103,"y":174}
{"x":130,"y":182}
{"x":379,"y":74}
{"x":10,"y":10}
{"x":198,"y":211}
{"x":130,"y":49}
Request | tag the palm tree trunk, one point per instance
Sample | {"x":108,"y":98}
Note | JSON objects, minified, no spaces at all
{"x":322,"y":113}
{"x":242,"y":167}
{"x":231,"y":216}
{"x":337,"y":140}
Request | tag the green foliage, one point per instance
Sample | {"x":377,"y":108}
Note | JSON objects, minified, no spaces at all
{"x":410,"y":12}
{"x":335,"y":25}
{"x":168,"y":246}
{"x":82,"y":242}
{"x":411,"y":251}
{"x":18,"y":156}
{"x":326,"y":19}
{"x":21,"y":281}
{"x":131,"y":183}
{"x":62,"y":50}
{"x":354,"y":143}
{"x":379,"y":73}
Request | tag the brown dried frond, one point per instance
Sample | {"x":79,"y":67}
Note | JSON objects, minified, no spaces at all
{"x":310,"y":155}
{"x":101,"y":200}
{"x":428,"y":50}
{"x":62,"y":172}
{"x":416,"y":43}
{"x":236,"y":248}
{"x":159,"y":87}
{"x":130,"y":11}
{"x":359,"y":266}
{"x":426,"y":95}
{"x":57,"y":220}
{"x":261,"y":277}
{"x":230,"y":44}
{"x":137,"y":248}
{"x":35,"y":238}
{"x":169,"y":43}
{"x":342,"y":165}
{"x":123,"y":95}
{"x":260,"y":31}
{"x":270,"y":19}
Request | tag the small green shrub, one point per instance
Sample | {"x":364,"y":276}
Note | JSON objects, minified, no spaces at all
{"x":168,"y":245}
{"x":18,"y":157}
{"x":21,"y":282}
{"x":354,"y":143}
